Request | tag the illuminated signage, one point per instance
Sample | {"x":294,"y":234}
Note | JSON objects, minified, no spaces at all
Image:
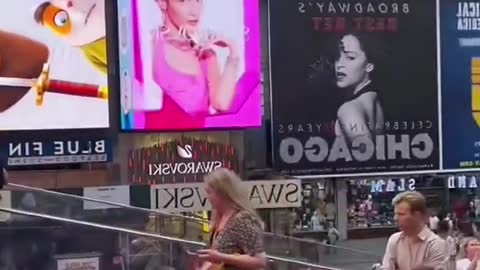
{"x":462,"y":181}
{"x":58,"y":151}
{"x":53,"y":65}
{"x":392,"y":185}
{"x":185,"y":160}
{"x":160,"y":91}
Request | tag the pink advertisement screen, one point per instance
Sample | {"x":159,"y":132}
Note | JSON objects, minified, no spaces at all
{"x":189,"y":65}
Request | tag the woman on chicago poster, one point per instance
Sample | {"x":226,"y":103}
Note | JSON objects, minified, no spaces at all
{"x":361,"y":113}
{"x":359,"y":93}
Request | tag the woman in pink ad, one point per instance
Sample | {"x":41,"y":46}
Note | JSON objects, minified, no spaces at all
{"x":187,"y":69}
{"x":185,"y":56}
{"x":205,"y":76}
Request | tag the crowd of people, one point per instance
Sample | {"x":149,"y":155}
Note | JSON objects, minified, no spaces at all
{"x":435,"y":242}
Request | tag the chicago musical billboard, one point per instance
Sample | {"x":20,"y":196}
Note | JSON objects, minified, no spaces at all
{"x":354,"y":86}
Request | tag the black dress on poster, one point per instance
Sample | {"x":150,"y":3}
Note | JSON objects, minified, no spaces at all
{"x":354,"y":86}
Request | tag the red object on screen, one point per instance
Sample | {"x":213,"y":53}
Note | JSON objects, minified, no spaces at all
{"x":77,"y":89}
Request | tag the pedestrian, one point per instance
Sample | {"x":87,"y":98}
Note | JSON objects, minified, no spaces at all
{"x":415,"y":247}
{"x":446,"y":234}
{"x":469,"y":254}
{"x":4,"y":174}
{"x":236,"y":239}
{"x":433,"y":222}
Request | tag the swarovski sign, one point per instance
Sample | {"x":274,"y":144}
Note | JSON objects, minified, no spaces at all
{"x":191,"y":197}
{"x":179,"y":161}
{"x":191,"y":167}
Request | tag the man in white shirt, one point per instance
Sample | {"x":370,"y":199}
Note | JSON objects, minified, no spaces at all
{"x":415,"y":247}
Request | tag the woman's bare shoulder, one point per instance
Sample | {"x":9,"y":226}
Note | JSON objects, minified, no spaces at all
{"x":362,"y":103}
{"x":360,"y":106}
{"x":350,"y":107}
{"x":367,"y":98}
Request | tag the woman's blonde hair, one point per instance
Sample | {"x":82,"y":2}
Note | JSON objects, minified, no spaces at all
{"x":230,"y":186}
{"x":462,"y":252}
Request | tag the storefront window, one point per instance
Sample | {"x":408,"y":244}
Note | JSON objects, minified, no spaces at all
{"x":370,"y":201}
{"x":318,"y":211}
{"x":368,"y":209}
{"x":464,"y":201}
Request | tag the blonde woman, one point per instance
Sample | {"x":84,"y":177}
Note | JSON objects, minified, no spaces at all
{"x":236,"y":239}
{"x":469,"y":254}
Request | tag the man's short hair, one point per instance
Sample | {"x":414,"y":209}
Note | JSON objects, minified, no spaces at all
{"x":414,"y":199}
{"x":443,"y":226}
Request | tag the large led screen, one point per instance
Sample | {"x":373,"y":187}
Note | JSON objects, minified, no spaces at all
{"x":53,"y":65}
{"x":189,"y":64}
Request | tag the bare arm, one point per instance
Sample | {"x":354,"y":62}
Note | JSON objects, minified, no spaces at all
{"x":204,"y":266}
{"x":211,"y":258}
{"x":353,"y":121}
{"x":222,"y":85}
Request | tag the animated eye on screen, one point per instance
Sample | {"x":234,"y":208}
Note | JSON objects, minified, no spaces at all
{"x":25,"y":62}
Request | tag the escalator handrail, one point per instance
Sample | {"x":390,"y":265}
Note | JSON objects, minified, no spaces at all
{"x":195,"y":219}
{"x":145,"y":234}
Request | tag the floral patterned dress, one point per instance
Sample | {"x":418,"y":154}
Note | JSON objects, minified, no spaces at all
{"x":241,"y":235}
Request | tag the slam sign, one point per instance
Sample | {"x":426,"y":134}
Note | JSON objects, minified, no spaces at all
{"x":191,"y":197}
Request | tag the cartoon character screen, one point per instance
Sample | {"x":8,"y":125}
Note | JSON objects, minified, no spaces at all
{"x":190,"y":64}
{"x":53,"y":65}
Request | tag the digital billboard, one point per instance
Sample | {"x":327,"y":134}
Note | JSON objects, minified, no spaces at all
{"x":53,"y":65}
{"x":460,"y":59}
{"x":189,"y":65}
{"x":343,"y":102}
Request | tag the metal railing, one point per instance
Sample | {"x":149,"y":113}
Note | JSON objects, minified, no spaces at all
{"x":181,"y":227}
{"x":173,"y":243}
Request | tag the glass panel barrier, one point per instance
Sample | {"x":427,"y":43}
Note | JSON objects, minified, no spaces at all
{"x":292,"y":265}
{"x":312,"y":251}
{"x":177,"y":226}
{"x":105,"y":213}
{"x":32,"y":241}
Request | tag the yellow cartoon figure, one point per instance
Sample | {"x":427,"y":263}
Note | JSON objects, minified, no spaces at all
{"x":79,"y":22}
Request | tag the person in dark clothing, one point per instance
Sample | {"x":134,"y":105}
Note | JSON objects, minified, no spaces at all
{"x":3,"y":174}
